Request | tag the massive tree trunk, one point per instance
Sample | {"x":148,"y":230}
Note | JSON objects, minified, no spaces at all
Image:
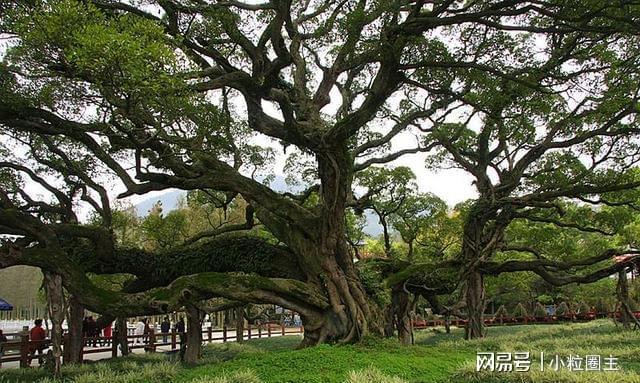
{"x":475,"y":299}
{"x":120,"y":336}
{"x":350,"y":315}
{"x":323,"y":254}
{"x":239,"y":317}
{"x":401,"y":305}
{"x":474,"y":247}
{"x":622,"y":293}
{"x":73,"y":348}
{"x":389,"y":322}
{"x":194,"y":334}
{"x":55,"y":303}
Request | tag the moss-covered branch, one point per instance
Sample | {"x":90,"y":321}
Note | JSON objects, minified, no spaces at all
{"x":221,"y":254}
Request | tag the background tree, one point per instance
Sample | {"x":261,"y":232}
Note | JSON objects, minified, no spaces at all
{"x":531,"y":137}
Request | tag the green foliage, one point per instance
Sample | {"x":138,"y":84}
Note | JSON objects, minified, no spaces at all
{"x":422,"y":219}
{"x":520,"y":311}
{"x":229,"y":252}
{"x":164,"y":231}
{"x":545,"y":299}
{"x":501,"y":312}
{"x":510,"y":288}
{"x":539,"y":311}
{"x":602,"y":306}
{"x":300,"y":169}
{"x":125,"y":225}
{"x":122,"y":54}
{"x":371,"y":273}
{"x":428,"y":274}
{"x":584,"y":308}
{"x":563,"y":309}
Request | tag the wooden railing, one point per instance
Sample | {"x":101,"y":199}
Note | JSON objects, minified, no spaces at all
{"x":20,"y":349}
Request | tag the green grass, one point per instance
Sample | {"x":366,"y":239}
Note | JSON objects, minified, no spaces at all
{"x":437,"y":357}
{"x":327,"y":363}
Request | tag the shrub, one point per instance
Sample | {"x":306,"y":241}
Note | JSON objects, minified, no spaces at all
{"x":545,"y":299}
{"x":520,"y":311}
{"x":562,"y":309}
{"x":539,"y":311}
{"x":372,"y":375}
{"x":602,"y":306}
{"x":501,"y":312}
{"x":583,"y":308}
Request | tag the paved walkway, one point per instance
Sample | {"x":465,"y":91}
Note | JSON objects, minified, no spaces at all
{"x":231,"y":337}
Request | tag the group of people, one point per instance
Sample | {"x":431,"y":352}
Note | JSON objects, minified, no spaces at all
{"x":93,"y":334}
{"x":143,"y":330}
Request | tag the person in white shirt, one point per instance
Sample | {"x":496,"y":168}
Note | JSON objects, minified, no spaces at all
{"x":139,"y":330}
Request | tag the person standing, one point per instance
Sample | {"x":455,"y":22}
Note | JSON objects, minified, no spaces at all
{"x":107,"y":333}
{"x":92,"y":330}
{"x":37,"y":336}
{"x":180,"y":330}
{"x":165,"y":326}
{"x":139,"y":331}
{"x":147,"y":330}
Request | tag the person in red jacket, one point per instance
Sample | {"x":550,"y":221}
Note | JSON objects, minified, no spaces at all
{"x":106,"y":332}
{"x":37,"y":336}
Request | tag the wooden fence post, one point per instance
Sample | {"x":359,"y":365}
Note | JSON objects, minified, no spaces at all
{"x":210,"y":334}
{"x":282,"y":328}
{"x":173,"y":339}
{"x":249,"y":330}
{"x":259,"y":331}
{"x":224,"y":333}
{"x":268,"y":330}
{"x":24,"y":351}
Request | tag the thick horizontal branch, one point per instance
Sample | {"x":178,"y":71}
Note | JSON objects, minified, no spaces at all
{"x":559,"y":223}
{"x":221,"y":254}
{"x":558,"y":272}
{"x":249,"y":288}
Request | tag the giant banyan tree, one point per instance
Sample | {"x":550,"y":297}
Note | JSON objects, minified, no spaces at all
{"x":537,"y":101}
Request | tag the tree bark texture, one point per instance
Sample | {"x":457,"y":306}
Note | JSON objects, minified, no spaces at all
{"x":194,"y":334}
{"x":56,"y":308}
{"x":75,"y":344}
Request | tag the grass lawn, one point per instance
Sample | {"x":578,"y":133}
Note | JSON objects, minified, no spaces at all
{"x":436,"y":357}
